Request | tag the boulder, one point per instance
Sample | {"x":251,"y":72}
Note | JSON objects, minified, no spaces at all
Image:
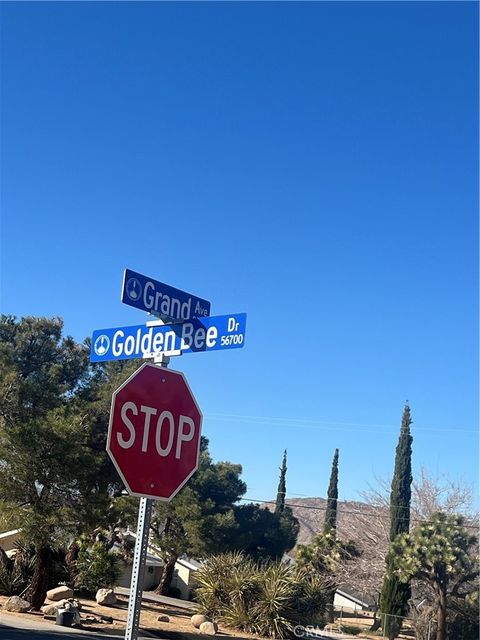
{"x":106,"y":597}
{"x":209,"y":628}
{"x":17,"y":604}
{"x":197,"y":620}
{"x":59,"y":593}
{"x":163,"y":619}
{"x":50,"y":609}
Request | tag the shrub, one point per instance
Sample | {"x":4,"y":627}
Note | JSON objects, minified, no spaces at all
{"x":96,"y":568}
{"x":16,"y":572}
{"x":268,"y":598}
{"x":351,"y":629}
{"x":174,"y":592}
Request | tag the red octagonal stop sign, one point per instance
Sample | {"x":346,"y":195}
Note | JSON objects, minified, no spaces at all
{"x":154,"y":432}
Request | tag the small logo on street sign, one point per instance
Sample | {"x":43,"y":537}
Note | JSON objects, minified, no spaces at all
{"x":101,"y":345}
{"x":133,"y":289}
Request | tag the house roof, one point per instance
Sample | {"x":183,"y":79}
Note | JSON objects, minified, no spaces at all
{"x":363,"y":599}
{"x":153,"y":560}
{"x":8,"y":534}
{"x":189,"y":563}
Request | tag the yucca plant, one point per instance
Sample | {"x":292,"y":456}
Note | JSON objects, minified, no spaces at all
{"x":272,"y":608}
{"x":214,"y":582}
{"x":16,"y":572}
{"x":268,"y":598}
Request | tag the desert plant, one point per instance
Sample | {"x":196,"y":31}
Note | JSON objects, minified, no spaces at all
{"x":96,"y":567}
{"x":268,"y":598}
{"x":16,"y":572}
{"x":12,"y":581}
{"x":351,"y":629}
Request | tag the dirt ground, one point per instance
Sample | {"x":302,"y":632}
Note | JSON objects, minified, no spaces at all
{"x":178,"y":628}
{"x":364,"y":620}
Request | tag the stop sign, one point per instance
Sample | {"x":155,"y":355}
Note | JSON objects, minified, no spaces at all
{"x":154,"y":432}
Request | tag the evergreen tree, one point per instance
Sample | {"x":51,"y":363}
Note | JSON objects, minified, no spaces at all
{"x":282,"y":486}
{"x":204,"y":519}
{"x":200,"y":520}
{"x":330,"y":527}
{"x":332,"y":496}
{"x":55,"y":476}
{"x":395,"y":593}
{"x":43,"y":454}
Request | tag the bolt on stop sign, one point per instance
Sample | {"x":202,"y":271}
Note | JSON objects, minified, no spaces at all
{"x":154,"y":432}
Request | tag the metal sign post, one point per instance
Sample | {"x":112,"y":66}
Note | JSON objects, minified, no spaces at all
{"x":148,"y":392}
{"x":138,"y":569}
{"x":140,"y":553}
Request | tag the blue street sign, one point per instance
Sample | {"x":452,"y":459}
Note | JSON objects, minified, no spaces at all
{"x":158,"y":298}
{"x":142,"y":341}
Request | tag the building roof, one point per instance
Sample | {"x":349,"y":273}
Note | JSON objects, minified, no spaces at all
{"x":363,"y":599}
{"x":8,"y":534}
{"x":190,"y":563}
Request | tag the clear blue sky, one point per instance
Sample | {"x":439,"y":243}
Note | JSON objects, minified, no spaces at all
{"x":314,"y":165}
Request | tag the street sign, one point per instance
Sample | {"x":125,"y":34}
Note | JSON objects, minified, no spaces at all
{"x":154,"y":432}
{"x":162,"y":300}
{"x":143,"y":341}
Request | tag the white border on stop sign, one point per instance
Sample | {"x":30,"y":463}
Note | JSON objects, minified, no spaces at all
{"x":109,"y":434}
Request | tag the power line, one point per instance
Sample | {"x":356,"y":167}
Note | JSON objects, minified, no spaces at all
{"x":301,"y":423}
{"x":349,"y":512}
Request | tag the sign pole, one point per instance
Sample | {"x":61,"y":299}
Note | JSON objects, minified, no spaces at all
{"x":140,"y":554}
{"x":138,"y":568}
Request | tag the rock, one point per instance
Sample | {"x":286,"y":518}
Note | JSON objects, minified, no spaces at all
{"x":209,"y":628}
{"x":50,"y":609}
{"x":17,"y":604}
{"x":107,"y":619}
{"x":197,"y":620}
{"x":60,"y":593}
{"x":106,"y":597}
{"x":163,"y":619}
{"x":73,"y":602}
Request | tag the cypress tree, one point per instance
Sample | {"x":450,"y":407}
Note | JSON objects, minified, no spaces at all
{"x":282,"y":486}
{"x":395,"y":593}
{"x":330,"y":526}
{"x":332,"y":496}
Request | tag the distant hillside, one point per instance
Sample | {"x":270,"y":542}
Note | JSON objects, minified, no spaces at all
{"x":352,"y":517}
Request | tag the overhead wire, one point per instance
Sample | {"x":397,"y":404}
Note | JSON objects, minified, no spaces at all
{"x":301,"y":423}
{"x":350,"y":512}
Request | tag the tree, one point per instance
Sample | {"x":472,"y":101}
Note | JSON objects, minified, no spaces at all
{"x":54,"y":471}
{"x":327,"y":558}
{"x":440,"y":553}
{"x":262,"y":534}
{"x":395,"y":592}
{"x":332,"y":496}
{"x":369,"y":527}
{"x":330,"y":525}
{"x":282,"y":486}
{"x":204,"y":519}
{"x":39,"y":432}
{"x":200,"y":519}
{"x":324,"y":554}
